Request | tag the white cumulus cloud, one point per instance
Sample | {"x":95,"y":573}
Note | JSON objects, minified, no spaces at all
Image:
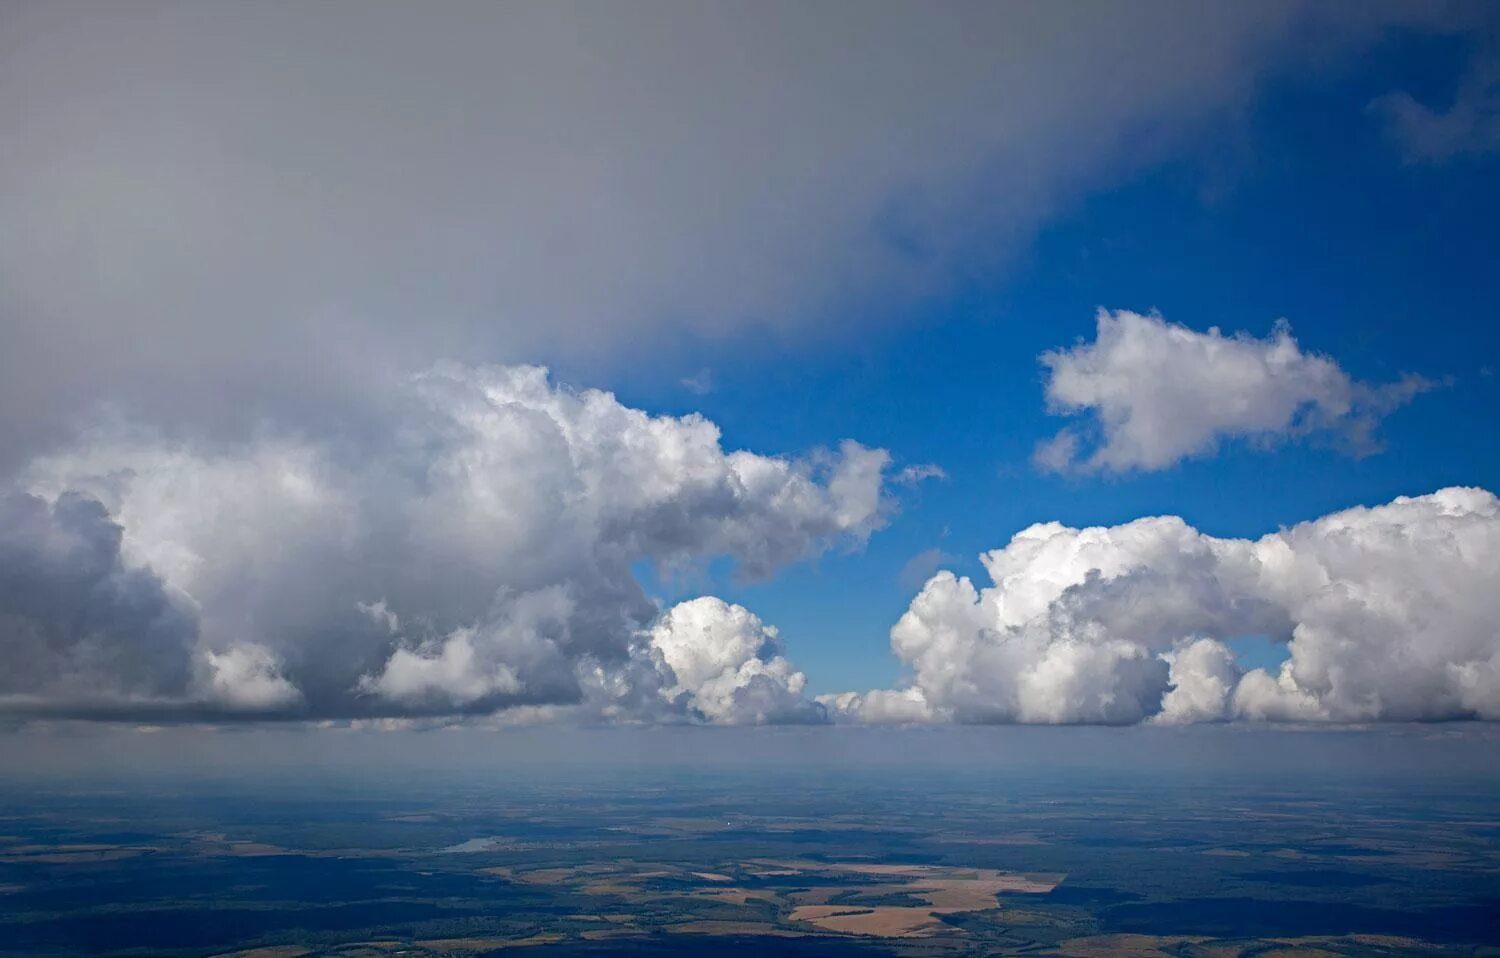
{"x":1155,"y":393}
{"x":1387,"y":613}
{"x":476,"y":556}
{"x":728,"y":665}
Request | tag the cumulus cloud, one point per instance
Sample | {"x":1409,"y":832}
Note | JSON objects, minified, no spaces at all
{"x":475,"y":558}
{"x":1201,"y":677}
{"x":77,"y":623}
{"x":880,"y":706}
{"x":1387,"y":613}
{"x":728,"y":665}
{"x":248,"y":678}
{"x":1155,"y":393}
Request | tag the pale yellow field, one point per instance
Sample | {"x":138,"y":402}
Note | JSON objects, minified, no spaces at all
{"x":1126,"y":946}
{"x":736,"y":896}
{"x":485,"y":944}
{"x":734,"y":928}
{"x":880,"y":921}
{"x":547,"y":876}
{"x":605,"y":934}
{"x":271,"y":951}
{"x":71,"y":854}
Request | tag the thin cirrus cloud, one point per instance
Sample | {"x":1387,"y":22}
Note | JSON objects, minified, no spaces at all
{"x":480,"y":561}
{"x":1467,"y":126}
{"x":1152,"y":393}
{"x":1387,"y":614}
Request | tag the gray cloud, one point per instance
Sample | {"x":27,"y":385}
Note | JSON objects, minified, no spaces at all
{"x":76,"y":624}
{"x":920,"y":567}
{"x":481,"y":559}
{"x":215,"y":213}
{"x":1388,"y":614}
{"x":1468,"y":125}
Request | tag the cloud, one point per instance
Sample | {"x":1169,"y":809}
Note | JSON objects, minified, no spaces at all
{"x":1469,"y":126}
{"x":248,"y":678}
{"x":1201,"y":677}
{"x":1156,"y":393}
{"x":918,"y":473}
{"x":77,"y":624}
{"x":1387,"y":613}
{"x":728,"y":665}
{"x":700,"y":383}
{"x":920,"y":567}
{"x":289,"y":202}
{"x":476,"y":558}
{"x":908,"y":706}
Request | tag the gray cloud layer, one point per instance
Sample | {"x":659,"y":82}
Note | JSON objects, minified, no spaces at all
{"x":215,"y":212}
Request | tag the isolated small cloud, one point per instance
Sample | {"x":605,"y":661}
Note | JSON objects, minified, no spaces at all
{"x":920,"y":567}
{"x":1468,"y":126}
{"x":1057,"y":454}
{"x":1387,"y":614}
{"x":249,"y":677}
{"x":1154,"y":393}
{"x":700,"y":383}
{"x":918,"y":472}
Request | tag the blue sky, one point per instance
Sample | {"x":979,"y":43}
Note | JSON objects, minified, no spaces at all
{"x":1300,"y":206}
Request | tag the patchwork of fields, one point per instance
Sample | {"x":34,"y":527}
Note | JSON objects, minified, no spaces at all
{"x":739,"y":865}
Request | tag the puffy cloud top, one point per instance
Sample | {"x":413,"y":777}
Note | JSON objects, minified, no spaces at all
{"x":728,"y":665}
{"x":1388,"y":613}
{"x":478,"y":557}
{"x":1159,"y":392}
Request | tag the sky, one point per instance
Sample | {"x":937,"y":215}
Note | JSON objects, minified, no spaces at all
{"x":497,"y":364}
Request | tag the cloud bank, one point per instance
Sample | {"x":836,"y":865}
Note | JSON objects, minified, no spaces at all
{"x":281,"y":198}
{"x":1388,"y":614}
{"x":478,"y":559}
{"x":483,"y":567}
{"x":1154,"y":393}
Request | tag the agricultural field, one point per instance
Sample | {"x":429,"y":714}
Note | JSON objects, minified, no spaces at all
{"x":738,"y":864}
